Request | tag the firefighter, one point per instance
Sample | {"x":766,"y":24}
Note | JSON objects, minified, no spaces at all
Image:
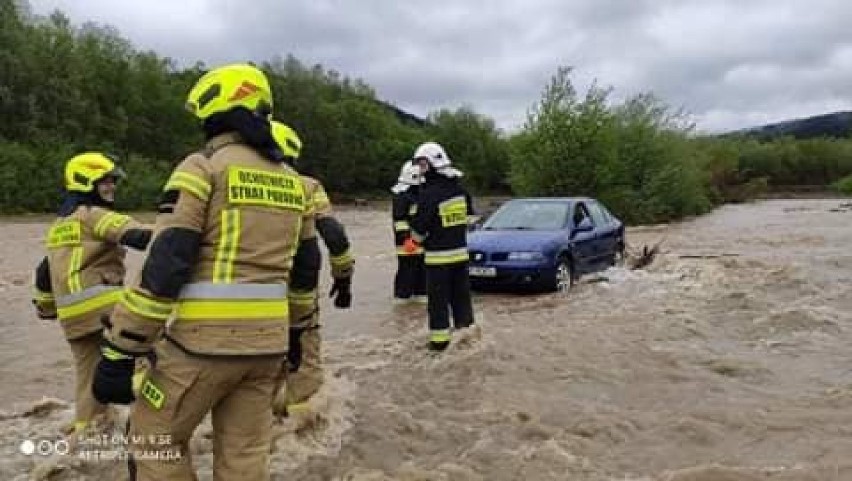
{"x":410,"y":281}
{"x":305,"y":374}
{"x":231,"y":234}
{"x":79,"y":280}
{"x":443,"y":210}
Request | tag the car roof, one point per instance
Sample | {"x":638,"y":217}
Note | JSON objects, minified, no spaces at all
{"x":553,"y":199}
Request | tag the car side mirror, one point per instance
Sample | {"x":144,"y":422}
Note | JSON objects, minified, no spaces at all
{"x":585,"y":225}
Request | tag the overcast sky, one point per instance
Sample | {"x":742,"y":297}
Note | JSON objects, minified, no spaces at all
{"x":731,"y":63}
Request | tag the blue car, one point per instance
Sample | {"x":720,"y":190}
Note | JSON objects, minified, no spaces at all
{"x":544,"y":243}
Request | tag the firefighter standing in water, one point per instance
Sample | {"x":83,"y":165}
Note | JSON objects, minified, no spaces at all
{"x":80,"y":279}
{"x":410,"y":281}
{"x":305,"y":374}
{"x":440,"y":226}
{"x":231,"y":234}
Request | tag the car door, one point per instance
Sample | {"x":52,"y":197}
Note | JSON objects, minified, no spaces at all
{"x":606,"y":235}
{"x":582,"y":243}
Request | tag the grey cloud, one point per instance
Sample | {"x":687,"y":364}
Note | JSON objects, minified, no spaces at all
{"x":731,"y":62}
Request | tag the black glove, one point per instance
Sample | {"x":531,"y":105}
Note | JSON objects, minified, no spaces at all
{"x":113,"y":383}
{"x":341,"y":290}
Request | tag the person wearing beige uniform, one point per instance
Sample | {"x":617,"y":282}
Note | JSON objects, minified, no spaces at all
{"x":80,"y":279}
{"x":232,"y":229}
{"x":305,"y":373}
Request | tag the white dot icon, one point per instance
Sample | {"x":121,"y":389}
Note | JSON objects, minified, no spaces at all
{"x":27,"y":448}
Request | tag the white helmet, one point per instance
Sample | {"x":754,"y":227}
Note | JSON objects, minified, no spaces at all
{"x":409,"y":175}
{"x":437,"y":158}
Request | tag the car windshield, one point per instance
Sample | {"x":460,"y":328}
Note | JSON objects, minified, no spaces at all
{"x":529,"y":215}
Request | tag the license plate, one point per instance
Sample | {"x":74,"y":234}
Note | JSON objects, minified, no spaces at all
{"x":482,"y":271}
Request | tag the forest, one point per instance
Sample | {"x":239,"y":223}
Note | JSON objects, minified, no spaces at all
{"x":67,"y":88}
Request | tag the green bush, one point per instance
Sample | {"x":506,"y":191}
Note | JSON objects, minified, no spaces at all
{"x":844,"y":185}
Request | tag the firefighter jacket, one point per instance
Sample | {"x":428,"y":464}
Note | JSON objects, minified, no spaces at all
{"x":82,"y":274}
{"x":403,"y":210}
{"x":330,"y":230}
{"x":440,"y":224}
{"x":231,"y":230}
{"x":303,"y":292}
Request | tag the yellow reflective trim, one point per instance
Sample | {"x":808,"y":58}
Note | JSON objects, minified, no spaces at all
{"x":42,"y":296}
{"x":136,"y":382}
{"x":400,"y":251}
{"x":220,"y":309}
{"x":280,"y":190}
{"x":92,"y":304}
{"x":302,"y":298}
{"x":226,"y":252}
{"x":67,"y":233}
{"x":297,"y":408}
{"x":112,"y":354}
{"x":111,"y":220}
{"x":343,"y":259}
{"x":145,"y":306}
{"x":442,"y":335}
{"x":401,"y":225}
{"x":412,"y":210}
{"x":153,"y":394}
{"x":453,"y":212}
{"x":450,"y":257}
{"x":75,"y":282}
{"x":190,"y":182}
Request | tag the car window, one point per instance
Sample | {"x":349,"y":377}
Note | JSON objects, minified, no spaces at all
{"x":529,"y":215}
{"x":580,"y":213}
{"x":598,"y":215}
{"x":607,"y":214}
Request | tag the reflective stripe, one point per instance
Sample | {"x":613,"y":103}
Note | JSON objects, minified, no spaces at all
{"x":229,"y":239}
{"x":85,"y":294}
{"x":303,"y":298}
{"x":223,"y":309}
{"x":439,"y":335}
{"x":80,"y":426}
{"x":42,"y":296}
{"x":401,"y":225}
{"x":449,"y":256}
{"x":89,"y":300}
{"x":209,"y":290}
{"x":400,"y":251}
{"x":75,"y":283}
{"x":113,"y":355}
{"x":111,"y":219}
{"x":145,"y":306}
{"x":342,"y":260}
{"x":191,"y":183}
{"x":211,"y":301}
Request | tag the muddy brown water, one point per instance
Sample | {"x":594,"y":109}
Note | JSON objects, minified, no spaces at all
{"x":727,"y":359}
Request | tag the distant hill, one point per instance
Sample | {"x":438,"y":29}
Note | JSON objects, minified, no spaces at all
{"x":837,"y":125}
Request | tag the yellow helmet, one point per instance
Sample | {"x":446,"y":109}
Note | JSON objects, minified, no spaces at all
{"x":287,"y":139}
{"x":84,"y":170}
{"x":223,"y":88}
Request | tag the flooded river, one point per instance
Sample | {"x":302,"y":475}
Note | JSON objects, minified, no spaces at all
{"x":729,"y":358}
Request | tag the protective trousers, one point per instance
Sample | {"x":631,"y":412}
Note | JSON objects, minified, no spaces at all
{"x":178,"y":393}
{"x":305,"y":373}
{"x":410,"y":279}
{"x":449,"y":291}
{"x":87,"y":353}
